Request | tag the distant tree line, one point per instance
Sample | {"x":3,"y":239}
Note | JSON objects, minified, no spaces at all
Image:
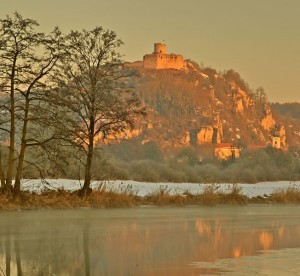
{"x":132,"y":160}
{"x":291,"y":110}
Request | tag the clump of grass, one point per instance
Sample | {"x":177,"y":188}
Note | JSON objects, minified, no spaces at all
{"x":210,"y":195}
{"x":48,"y":199}
{"x":162,"y":197}
{"x":7,"y":202}
{"x":289,"y":195}
{"x":102,"y":197}
{"x":235,"y":196}
{"x":105,"y":196}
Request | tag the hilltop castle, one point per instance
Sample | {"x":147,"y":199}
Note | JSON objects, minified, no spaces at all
{"x":159,"y":59}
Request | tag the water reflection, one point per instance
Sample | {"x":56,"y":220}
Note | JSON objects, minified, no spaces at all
{"x":142,"y":241}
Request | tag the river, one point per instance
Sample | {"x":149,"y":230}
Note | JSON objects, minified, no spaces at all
{"x":221,"y":240}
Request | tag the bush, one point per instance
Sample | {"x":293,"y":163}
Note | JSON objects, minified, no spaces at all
{"x":289,"y":195}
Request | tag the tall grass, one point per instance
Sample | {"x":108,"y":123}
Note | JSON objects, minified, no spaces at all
{"x":105,"y":196}
{"x":288,"y":195}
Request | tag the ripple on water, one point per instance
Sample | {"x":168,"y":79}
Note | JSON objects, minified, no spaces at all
{"x":271,"y":262}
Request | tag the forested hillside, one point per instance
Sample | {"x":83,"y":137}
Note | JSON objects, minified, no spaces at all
{"x":190,"y":112}
{"x":291,"y":110}
{"x":202,"y":106}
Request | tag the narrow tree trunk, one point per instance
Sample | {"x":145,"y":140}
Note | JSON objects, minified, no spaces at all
{"x":89,"y":158}
{"x":17,"y":187}
{"x":87,"y":176}
{"x":2,"y":176}
{"x":11,"y":155}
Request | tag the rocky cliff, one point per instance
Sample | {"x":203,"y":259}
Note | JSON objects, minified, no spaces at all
{"x":201,"y":106}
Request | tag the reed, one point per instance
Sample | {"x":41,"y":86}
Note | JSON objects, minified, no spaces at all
{"x":106,"y":196}
{"x":288,"y":195}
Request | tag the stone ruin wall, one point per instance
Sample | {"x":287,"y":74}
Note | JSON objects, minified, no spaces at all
{"x":150,"y":61}
{"x":159,"y":59}
{"x":170,"y":61}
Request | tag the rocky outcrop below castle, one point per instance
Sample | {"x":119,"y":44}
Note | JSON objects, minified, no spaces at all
{"x":203,"y":135}
{"x":200,"y":106}
{"x":267,"y":122}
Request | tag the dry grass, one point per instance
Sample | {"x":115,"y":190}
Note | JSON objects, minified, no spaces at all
{"x":212,"y":196}
{"x":235,"y":196}
{"x":289,"y":195}
{"x":162,"y":197}
{"x":107,"y":197}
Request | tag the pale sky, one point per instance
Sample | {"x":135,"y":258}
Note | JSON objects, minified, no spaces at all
{"x":260,"y":39}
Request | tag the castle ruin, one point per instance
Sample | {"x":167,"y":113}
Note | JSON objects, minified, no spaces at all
{"x":159,"y":59}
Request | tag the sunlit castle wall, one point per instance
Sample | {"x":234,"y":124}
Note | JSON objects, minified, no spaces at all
{"x":159,"y":59}
{"x":160,"y":48}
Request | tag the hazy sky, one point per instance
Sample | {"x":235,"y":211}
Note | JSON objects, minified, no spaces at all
{"x":260,"y":39}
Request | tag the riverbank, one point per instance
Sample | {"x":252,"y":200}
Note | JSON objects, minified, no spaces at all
{"x":108,"y":196}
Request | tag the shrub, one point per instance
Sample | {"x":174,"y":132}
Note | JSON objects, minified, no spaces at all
{"x":289,"y":195}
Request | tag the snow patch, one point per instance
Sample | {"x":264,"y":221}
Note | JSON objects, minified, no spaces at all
{"x":204,"y":75}
{"x":146,"y":188}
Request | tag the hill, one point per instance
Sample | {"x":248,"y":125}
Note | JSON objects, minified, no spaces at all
{"x":289,"y":115}
{"x":200,"y":106}
{"x":194,"y":112}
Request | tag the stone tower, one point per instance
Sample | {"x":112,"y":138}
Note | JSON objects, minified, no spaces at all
{"x":159,"y":59}
{"x":160,"y":48}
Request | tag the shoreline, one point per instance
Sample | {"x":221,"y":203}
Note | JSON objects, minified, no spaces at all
{"x":124,"y":195}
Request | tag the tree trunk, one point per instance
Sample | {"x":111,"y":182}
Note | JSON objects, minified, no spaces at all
{"x":17,"y":187}
{"x":88,"y":165}
{"x":11,"y":155}
{"x":89,"y":158}
{"x":2,"y":176}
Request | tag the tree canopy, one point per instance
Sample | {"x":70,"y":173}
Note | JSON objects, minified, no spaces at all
{"x":73,"y":85}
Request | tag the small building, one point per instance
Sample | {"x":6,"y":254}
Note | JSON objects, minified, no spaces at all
{"x":276,"y":142}
{"x":159,"y":59}
{"x":224,"y":151}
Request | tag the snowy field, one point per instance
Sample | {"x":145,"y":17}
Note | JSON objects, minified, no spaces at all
{"x":144,"y":188}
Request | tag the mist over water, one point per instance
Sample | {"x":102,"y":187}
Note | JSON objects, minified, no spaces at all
{"x":152,"y":241}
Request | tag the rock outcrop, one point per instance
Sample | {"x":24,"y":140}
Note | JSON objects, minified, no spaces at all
{"x":199,"y":106}
{"x":267,"y":122}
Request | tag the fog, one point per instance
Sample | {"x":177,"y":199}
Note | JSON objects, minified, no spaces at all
{"x":150,"y":241}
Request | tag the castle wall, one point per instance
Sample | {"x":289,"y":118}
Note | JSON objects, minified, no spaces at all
{"x":170,"y":61}
{"x":161,"y":60}
{"x":150,"y":61}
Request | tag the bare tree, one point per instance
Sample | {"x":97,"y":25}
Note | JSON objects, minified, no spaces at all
{"x":260,"y":95}
{"x":92,"y":101}
{"x":27,"y":58}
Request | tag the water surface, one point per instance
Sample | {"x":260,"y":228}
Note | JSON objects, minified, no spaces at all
{"x":224,"y":240}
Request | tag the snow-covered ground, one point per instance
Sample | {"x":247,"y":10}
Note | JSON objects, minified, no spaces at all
{"x":144,"y":188}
